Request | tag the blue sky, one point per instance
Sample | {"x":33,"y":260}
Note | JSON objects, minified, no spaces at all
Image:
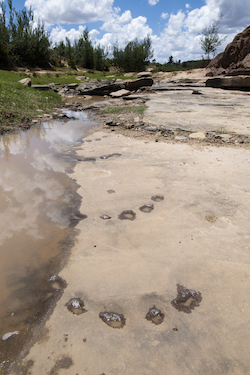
{"x":174,"y":26}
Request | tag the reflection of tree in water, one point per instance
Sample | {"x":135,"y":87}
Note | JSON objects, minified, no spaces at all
{"x":15,"y":143}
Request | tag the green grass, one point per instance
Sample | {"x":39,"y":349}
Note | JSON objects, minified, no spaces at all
{"x":18,"y":102}
{"x":126,"y":109}
{"x":66,"y":76}
{"x":221,"y":131}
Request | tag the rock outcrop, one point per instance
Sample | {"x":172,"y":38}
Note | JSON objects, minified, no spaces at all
{"x":233,"y":83}
{"x":235,"y":60}
{"x":94,"y":87}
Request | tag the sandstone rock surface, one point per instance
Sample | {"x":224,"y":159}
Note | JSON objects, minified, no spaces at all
{"x":235,"y":60}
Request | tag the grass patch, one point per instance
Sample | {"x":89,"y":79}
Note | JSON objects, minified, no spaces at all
{"x":18,"y":102}
{"x":126,"y":109}
{"x":62,"y":76}
{"x":221,"y":131}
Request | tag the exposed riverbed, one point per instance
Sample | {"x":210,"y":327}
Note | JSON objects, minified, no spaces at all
{"x":158,"y":277}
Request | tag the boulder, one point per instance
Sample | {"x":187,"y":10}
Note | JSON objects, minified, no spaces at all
{"x":25,"y":82}
{"x":138,"y":83}
{"x":120,"y":93}
{"x":235,"y":60}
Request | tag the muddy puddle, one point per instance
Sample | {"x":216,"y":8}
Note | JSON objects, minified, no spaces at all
{"x":39,"y":210}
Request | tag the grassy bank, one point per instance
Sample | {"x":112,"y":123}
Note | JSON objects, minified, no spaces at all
{"x":19,"y":104}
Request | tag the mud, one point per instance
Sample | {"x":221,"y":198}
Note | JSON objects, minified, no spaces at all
{"x":110,"y":156}
{"x":147,"y":208}
{"x":87,"y":159}
{"x":76,"y":217}
{"x":127,"y":215}
{"x":187,"y":299}
{"x":155,"y":316}
{"x":65,"y":362}
{"x":112,"y":319}
{"x":57,"y":283}
{"x":76,"y":306}
{"x":157,"y":198}
{"x":40,"y":207}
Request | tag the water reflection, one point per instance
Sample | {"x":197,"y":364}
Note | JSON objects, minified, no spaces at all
{"x":37,"y":200}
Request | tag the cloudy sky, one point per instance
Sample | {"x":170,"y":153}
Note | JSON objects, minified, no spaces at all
{"x":174,"y":26}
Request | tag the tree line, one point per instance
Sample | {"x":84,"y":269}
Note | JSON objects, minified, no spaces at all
{"x":24,"y":43}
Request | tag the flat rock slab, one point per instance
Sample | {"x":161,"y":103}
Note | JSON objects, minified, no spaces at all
{"x":214,"y":111}
{"x":197,"y":237}
{"x":120,"y":93}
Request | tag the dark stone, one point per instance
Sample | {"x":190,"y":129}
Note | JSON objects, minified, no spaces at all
{"x":155,"y":315}
{"x":109,"y":122}
{"x":127,"y":215}
{"x":112,"y":319}
{"x":76,"y":306}
{"x":41,"y":87}
{"x":187,"y":299}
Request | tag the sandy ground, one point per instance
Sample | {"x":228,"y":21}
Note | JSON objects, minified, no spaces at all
{"x":198,"y":237}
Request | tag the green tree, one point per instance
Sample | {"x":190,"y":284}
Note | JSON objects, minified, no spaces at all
{"x":25,"y":43}
{"x":70,"y":54}
{"x":5,"y":58}
{"x":210,"y":39}
{"x":83,"y":51}
{"x":135,"y":56}
{"x":100,"y":58}
{"x":171,"y":60}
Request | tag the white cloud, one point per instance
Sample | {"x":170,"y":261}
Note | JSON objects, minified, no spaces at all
{"x":71,"y":11}
{"x":58,"y":33}
{"x":164,"y":15}
{"x":180,"y":37}
{"x":123,"y":29}
{"x":125,"y":18}
{"x":153,"y":2}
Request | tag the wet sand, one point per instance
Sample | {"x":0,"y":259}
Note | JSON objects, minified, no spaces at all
{"x":196,"y":237}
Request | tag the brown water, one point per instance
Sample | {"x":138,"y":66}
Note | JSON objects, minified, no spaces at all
{"x":38,"y":212}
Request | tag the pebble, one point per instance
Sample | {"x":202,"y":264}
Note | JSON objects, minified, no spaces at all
{"x":9,"y":334}
{"x":199,"y":135}
{"x":181,"y":138}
